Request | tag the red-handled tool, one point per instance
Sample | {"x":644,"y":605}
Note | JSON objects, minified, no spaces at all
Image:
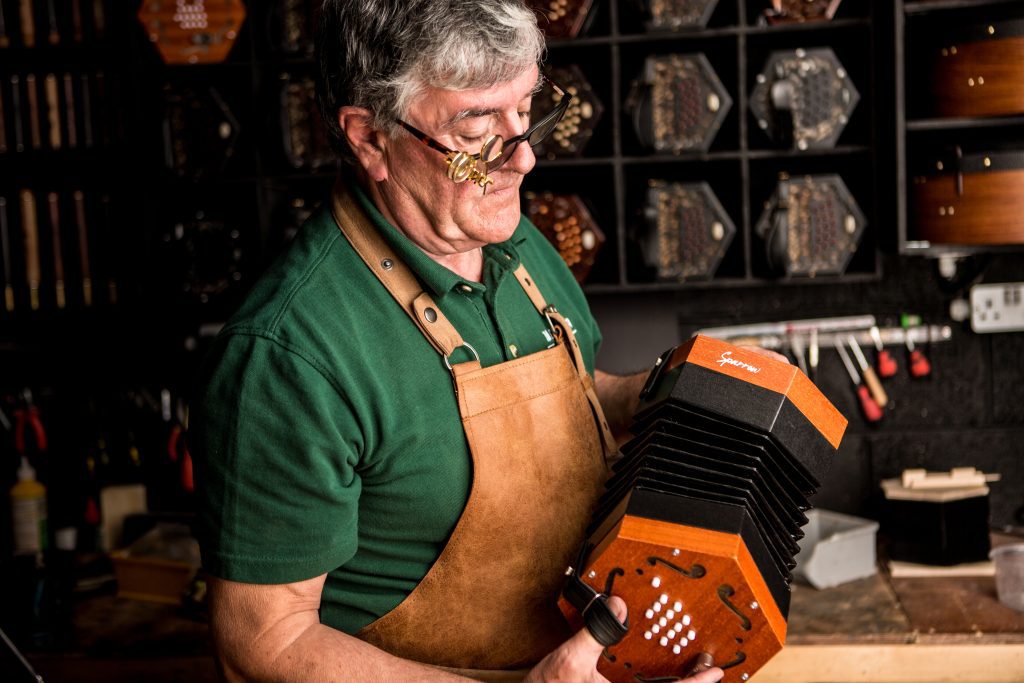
{"x":884,"y":361}
{"x":872,"y":411}
{"x":919,"y":365}
{"x":870,"y":378}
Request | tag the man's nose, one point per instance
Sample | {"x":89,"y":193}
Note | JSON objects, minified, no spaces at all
{"x":523,"y":159}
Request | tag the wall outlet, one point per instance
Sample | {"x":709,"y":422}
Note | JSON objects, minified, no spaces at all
{"x":997,"y":307}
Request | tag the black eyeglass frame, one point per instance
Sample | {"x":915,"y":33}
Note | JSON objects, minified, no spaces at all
{"x":508,"y":146}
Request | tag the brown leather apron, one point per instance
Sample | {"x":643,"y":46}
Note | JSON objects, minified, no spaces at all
{"x":540,"y":445}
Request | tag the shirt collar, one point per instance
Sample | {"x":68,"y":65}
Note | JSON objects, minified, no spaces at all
{"x":437,"y":279}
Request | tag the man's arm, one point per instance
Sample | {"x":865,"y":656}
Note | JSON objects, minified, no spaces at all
{"x":619,"y":396}
{"x":273,"y":633}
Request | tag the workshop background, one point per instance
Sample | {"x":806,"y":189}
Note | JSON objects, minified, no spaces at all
{"x":147,"y":179}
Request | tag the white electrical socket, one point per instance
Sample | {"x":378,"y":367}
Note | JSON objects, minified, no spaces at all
{"x":997,"y":307}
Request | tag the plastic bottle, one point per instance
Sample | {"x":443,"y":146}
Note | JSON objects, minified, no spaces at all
{"x":28,"y":507}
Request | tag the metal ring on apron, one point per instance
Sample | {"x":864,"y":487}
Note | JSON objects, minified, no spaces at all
{"x":467,"y":345}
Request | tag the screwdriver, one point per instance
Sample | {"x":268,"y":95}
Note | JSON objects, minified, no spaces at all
{"x":870,"y":378}
{"x":867,"y":404}
{"x":886,"y":363}
{"x":919,"y":365}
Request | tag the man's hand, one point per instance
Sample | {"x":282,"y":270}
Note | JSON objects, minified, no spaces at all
{"x":766,"y":353}
{"x":576,"y":660}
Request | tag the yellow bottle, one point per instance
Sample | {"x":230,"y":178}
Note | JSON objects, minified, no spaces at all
{"x":28,"y":507}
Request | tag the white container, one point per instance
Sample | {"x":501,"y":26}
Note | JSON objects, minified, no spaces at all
{"x":836,"y":548}
{"x":1009,"y":561}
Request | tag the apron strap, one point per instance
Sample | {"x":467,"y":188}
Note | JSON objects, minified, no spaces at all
{"x":393,"y":273}
{"x":558,"y":322}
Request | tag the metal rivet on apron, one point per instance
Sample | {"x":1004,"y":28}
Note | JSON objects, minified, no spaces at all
{"x":513,"y":349}
{"x":387,"y":264}
{"x":430,"y":314}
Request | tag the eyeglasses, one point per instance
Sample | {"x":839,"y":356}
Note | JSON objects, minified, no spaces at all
{"x":496,"y":150}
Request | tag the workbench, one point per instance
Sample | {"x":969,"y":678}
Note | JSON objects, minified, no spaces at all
{"x":875,"y":630}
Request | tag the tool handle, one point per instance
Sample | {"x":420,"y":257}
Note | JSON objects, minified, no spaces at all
{"x":886,"y":364}
{"x":28,"y":23}
{"x":919,"y":365}
{"x":52,"y":110}
{"x":875,"y":385}
{"x":872,"y":412}
{"x":29,"y":228}
{"x":58,"y":257}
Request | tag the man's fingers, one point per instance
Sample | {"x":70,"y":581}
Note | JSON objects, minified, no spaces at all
{"x":618,"y":607}
{"x":710,"y":676}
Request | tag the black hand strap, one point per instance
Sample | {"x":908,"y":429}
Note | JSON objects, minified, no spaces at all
{"x":593,"y":606}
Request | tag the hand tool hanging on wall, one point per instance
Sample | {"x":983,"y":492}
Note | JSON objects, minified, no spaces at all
{"x":30,"y":238}
{"x":51,"y":16}
{"x":3,"y":125}
{"x":34,"y":127}
{"x":86,"y":111}
{"x":916,"y":360}
{"x":812,"y":355}
{"x":29,"y":433}
{"x":885,"y":362}
{"x":69,"y":110}
{"x":688,"y":232}
{"x":52,"y":110}
{"x":109,"y":248}
{"x":99,"y":19}
{"x":5,"y":246}
{"x":76,"y":20}
{"x":83,"y":248}
{"x":19,"y":136}
{"x":5,"y":40}
{"x":58,"y":257}
{"x":177,"y":446}
{"x":28,"y":24}
{"x":872,"y":411}
{"x":870,"y":378}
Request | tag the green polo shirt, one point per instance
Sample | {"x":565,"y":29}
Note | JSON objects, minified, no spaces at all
{"x":326,"y":435}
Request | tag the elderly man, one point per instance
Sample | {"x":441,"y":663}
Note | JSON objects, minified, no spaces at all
{"x":400,"y":440}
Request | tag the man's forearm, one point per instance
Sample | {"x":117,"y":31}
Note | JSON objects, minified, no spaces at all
{"x":619,"y":396}
{"x":321,"y":653}
{"x":273,"y":633}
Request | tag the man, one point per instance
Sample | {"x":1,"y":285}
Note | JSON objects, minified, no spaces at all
{"x":400,"y":443}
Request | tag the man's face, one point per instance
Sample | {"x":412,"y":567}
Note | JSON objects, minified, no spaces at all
{"x":444,"y":216}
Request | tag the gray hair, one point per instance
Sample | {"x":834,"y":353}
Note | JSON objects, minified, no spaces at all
{"x":379,"y":54}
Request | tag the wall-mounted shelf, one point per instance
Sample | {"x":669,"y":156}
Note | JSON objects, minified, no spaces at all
{"x":742,"y":164}
{"x":920,"y":27}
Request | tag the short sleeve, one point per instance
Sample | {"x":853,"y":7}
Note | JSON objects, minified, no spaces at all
{"x":275,"y":446}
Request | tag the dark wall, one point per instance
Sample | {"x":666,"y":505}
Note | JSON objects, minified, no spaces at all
{"x":969,"y":412}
